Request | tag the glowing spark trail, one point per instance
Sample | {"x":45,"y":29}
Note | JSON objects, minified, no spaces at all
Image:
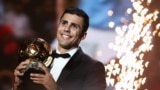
{"x":125,"y":72}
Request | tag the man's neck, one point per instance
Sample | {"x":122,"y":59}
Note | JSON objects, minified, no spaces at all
{"x":64,"y":50}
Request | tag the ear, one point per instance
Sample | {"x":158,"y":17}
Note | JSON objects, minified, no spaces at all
{"x":84,"y":35}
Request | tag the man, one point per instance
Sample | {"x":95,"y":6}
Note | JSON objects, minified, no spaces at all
{"x":77,"y":72}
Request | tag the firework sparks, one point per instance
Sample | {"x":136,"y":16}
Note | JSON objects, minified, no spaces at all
{"x":132,"y":42}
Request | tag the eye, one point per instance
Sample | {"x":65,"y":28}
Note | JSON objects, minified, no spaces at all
{"x":75,"y":26}
{"x":63,"y":22}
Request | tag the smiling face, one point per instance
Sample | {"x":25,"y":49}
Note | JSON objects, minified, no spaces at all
{"x":69,"y":33}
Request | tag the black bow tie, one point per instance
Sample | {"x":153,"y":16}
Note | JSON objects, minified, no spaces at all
{"x":56,"y":55}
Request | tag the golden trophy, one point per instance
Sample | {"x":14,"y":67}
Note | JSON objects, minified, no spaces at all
{"x":40,"y":52}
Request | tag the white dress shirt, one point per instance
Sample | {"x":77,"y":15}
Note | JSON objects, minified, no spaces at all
{"x":59,"y":63}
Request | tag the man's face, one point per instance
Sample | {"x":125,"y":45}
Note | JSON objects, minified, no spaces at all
{"x":69,"y":32}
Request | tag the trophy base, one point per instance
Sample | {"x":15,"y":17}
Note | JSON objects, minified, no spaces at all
{"x":28,"y":84}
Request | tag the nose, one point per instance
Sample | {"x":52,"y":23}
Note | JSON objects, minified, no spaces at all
{"x":67,"y":28}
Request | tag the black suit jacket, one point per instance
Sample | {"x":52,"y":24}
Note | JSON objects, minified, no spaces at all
{"x":82,"y":73}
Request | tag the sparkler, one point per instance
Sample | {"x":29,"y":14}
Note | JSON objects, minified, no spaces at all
{"x":125,"y":72}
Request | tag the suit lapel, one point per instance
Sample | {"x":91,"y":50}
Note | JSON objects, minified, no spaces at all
{"x":74,"y":61}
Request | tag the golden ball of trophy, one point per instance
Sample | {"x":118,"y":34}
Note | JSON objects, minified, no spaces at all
{"x":38,"y":50}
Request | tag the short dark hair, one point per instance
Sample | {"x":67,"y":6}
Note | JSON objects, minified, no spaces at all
{"x":81,"y":13}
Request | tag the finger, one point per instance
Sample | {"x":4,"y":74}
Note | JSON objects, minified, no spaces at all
{"x":34,"y":75}
{"x":27,"y":61}
{"x":20,"y":67}
{"x":37,"y":78}
{"x":18,"y":73}
{"x":44,"y":68}
{"x":37,"y":81}
{"x":17,"y":70}
{"x":23,"y":64}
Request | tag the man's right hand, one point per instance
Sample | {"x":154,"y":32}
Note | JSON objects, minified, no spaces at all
{"x":18,"y":73}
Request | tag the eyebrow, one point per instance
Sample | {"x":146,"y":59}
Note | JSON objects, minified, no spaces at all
{"x":76,"y":25}
{"x":72,"y":23}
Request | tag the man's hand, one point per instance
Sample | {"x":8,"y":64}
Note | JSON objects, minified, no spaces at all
{"x":45,"y":79}
{"x":18,"y":73}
